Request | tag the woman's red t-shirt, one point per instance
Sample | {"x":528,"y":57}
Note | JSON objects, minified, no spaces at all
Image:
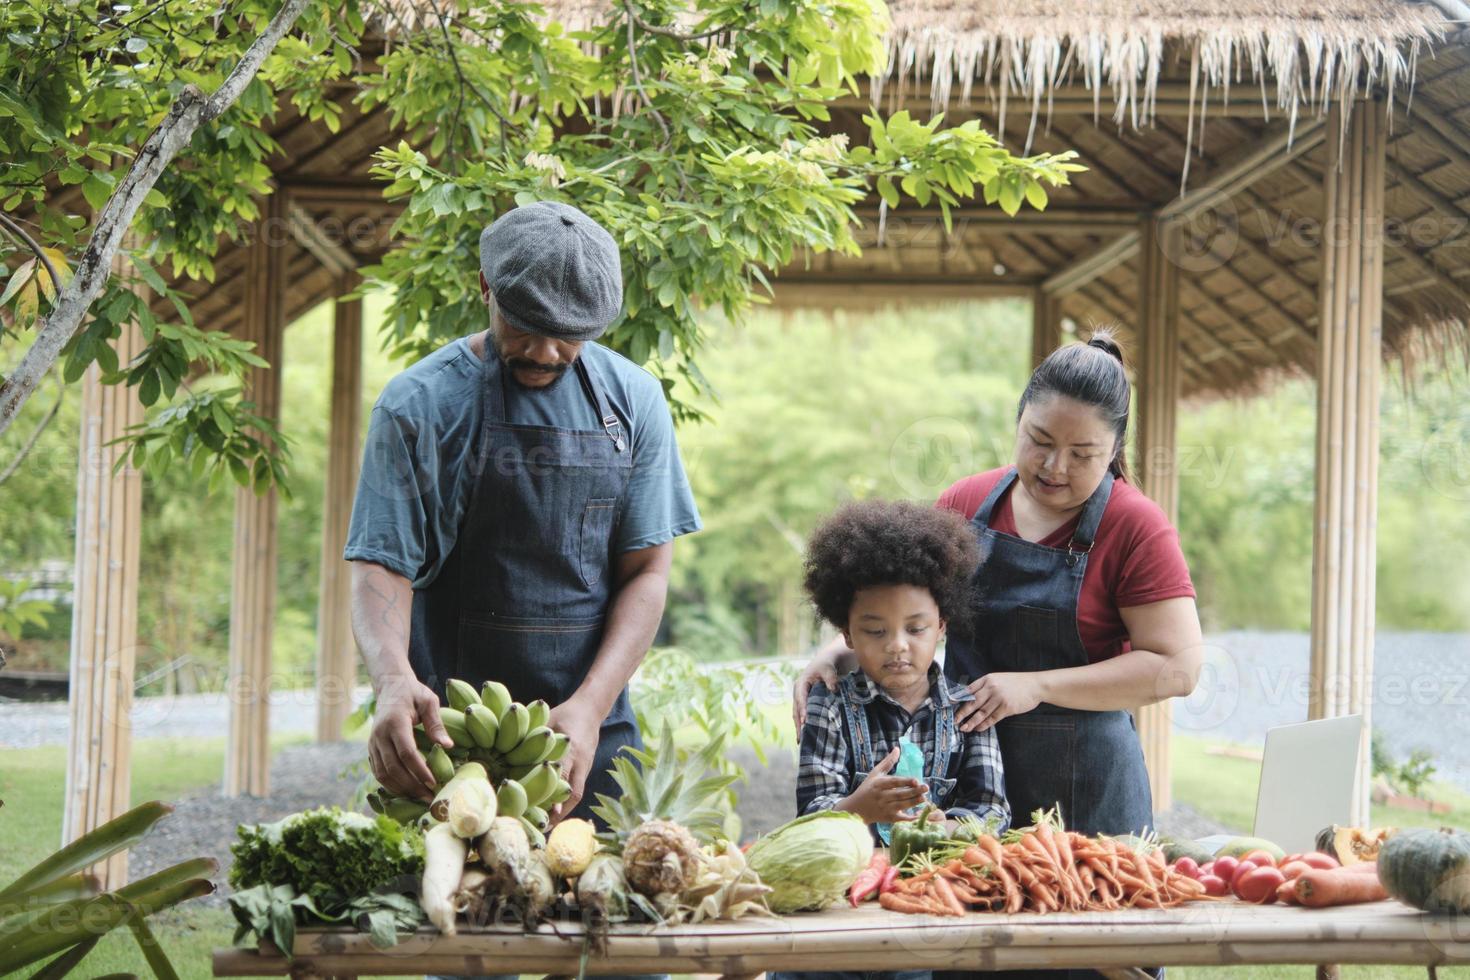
{"x":1135,"y":560}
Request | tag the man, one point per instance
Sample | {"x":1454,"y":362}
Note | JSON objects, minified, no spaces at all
{"x":514,"y":520}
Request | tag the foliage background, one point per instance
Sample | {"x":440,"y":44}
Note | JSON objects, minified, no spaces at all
{"x":812,"y":408}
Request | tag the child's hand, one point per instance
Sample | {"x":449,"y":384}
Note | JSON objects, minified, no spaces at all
{"x":882,"y":798}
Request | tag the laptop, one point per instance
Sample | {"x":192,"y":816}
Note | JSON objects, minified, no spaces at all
{"x":1308,"y":776}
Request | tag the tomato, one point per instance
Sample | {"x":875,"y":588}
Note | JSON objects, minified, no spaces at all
{"x":1208,"y":868}
{"x":1291,"y":869}
{"x":1317,"y":859}
{"x":1260,"y":858}
{"x":1241,"y":870}
{"x":1214,"y":885}
{"x":1188,"y":866}
{"x":1224,"y":867}
{"x":1259,"y":885}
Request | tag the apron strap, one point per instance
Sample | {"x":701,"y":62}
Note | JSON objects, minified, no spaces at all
{"x":610,"y":422}
{"x":1092,"y":515}
{"x":857,"y":727}
{"x":982,"y":516}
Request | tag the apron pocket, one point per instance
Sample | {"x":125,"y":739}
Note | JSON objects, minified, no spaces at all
{"x":1040,"y":757}
{"x":535,"y":658}
{"x":1037,"y":638}
{"x":596,"y":540}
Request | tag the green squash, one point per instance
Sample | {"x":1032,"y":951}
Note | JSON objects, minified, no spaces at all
{"x":1176,"y":848}
{"x":1428,"y":869}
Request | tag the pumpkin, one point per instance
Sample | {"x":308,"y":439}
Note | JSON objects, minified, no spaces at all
{"x":1353,"y":845}
{"x":1428,"y":869}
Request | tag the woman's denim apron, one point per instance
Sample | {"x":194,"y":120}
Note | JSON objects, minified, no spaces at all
{"x":1090,"y":763}
{"x":523,"y":596}
{"x":946,"y":738}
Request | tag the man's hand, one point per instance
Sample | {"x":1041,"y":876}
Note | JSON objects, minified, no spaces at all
{"x":397,"y":762}
{"x":582,"y":724}
{"x":883,"y":798}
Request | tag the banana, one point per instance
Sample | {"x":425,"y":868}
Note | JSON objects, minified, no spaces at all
{"x":454,"y":724}
{"x":519,"y":773}
{"x":461,"y":695}
{"x":540,"y":783}
{"x":536,"y":816}
{"x":559,"y":792}
{"x":558,"y":748}
{"x":405,"y":811}
{"x":540,"y":713}
{"x":374,"y":801}
{"x":440,"y":765}
{"x":496,"y":696}
{"x":422,"y":740}
{"x":482,"y":724}
{"x":513,"y":727}
{"x":538,"y":839}
{"x":535,"y":747}
{"x":510,"y":801}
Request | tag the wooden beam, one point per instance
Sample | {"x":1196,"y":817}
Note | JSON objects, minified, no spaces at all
{"x":308,"y":233}
{"x":801,"y":292}
{"x":1417,"y":185}
{"x":1438,"y":131}
{"x":253,"y":590}
{"x":1157,"y":464}
{"x":1350,"y":359}
{"x":104,"y":628}
{"x":1275,"y":148}
{"x":336,"y":653}
{"x":1089,"y":267}
{"x":1171,"y":99}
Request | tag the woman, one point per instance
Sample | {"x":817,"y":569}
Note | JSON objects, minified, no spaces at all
{"x":1084,"y":609}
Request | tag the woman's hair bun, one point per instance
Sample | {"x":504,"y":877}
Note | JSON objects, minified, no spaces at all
{"x":1103,"y":341}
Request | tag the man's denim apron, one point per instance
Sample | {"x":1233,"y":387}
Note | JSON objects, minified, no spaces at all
{"x":946,"y":738}
{"x":523,"y":596}
{"x":1090,"y":763}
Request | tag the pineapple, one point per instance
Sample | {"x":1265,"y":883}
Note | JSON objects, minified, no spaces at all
{"x":667,"y":809}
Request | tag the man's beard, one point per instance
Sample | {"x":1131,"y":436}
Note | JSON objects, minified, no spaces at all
{"x":527,"y":366}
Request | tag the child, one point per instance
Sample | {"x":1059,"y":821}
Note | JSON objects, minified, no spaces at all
{"x":890,"y":576}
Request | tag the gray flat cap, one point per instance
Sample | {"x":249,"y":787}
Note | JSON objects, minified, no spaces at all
{"x":553,"y":271}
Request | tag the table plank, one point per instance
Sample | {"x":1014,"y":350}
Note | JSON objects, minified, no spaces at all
{"x":870,"y":938}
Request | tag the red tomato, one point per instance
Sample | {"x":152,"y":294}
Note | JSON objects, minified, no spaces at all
{"x":1317,"y":859}
{"x":1188,"y":866}
{"x":1261,"y":858}
{"x":1292,"y":869}
{"x":1208,"y":868}
{"x":1241,"y":870}
{"x":1259,"y":885}
{"x":1224,"y":867}
{"x":1288,"y":859}
{"x":1214,"y":885}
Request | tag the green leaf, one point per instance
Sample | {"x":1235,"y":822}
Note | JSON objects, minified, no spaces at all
{"x":97,"y":189}
{"x":116,"y":835}
{"x":136,"y":45}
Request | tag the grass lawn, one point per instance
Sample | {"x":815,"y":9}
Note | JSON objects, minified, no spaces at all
{"x":31,"y":785}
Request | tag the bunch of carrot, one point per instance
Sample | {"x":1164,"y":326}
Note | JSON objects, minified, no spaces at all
{"x":1043,"y":869}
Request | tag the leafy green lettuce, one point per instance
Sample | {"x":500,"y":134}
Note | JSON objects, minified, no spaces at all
{"x":328,"y":855}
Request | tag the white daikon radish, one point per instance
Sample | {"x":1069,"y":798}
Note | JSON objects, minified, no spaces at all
{"x":444,"y":857}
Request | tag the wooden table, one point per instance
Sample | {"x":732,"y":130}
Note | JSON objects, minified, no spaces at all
{"x":869,"y":938}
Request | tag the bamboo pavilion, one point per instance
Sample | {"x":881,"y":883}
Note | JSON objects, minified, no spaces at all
{"x":1274,"y":189}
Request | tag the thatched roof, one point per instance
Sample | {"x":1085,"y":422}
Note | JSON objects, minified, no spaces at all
{"x":1126,"y":85}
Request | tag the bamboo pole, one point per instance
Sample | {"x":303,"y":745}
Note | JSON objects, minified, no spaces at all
{"x":1158,"y":405}
{"x":1046,"y":326}
{"x":336,"y":652}
{"x":105,"y":611}
{"x":252,"y":605}
{"x":1349,"y":381}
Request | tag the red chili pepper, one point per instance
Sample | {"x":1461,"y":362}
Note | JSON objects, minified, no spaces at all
{"x":890,"y":879}
{"x":866,"y":884}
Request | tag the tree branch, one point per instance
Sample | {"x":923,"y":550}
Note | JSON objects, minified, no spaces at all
{"x":15,"y":228}
{"x":637,"y":78}
{"x":30,"y":443}
{"x":644,"y":25}
{"x":190,"y":109}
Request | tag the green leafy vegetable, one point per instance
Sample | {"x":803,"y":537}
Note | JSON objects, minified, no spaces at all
{"x":327,"y":855}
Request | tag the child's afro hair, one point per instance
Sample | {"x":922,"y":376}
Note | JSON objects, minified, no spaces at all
{"x":883,"y":542}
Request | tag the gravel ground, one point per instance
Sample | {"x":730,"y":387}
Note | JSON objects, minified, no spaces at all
{"x":307,"y":776}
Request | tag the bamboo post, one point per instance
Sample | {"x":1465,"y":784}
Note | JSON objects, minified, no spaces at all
{"x":253,"y":590}
{"x":1158,"y":476}
{"x":1046,"y":326}
{"x":104,"y":628}
{"x":1349,"y":363}
{"x":336,"y":652}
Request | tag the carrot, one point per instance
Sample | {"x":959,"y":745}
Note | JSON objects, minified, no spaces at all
{"x":894,"y":902}
{"x":1318,"y":889}
{"x":975,"y":856}
{"x":1013,"y":895}
{"x":1286,"y":894}
{"x":947,"y":895}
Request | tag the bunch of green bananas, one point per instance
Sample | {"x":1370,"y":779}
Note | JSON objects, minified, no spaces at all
{"x":511,"y":740}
